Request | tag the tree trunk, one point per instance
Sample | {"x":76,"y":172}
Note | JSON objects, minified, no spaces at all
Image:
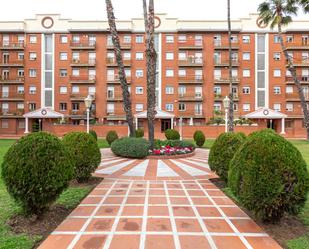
{"x":121,"y":72}
{"x":151,"y":59}
{"x":292,"y":70}
{"x":231,"y":97}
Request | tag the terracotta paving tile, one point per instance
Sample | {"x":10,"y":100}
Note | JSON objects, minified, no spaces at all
{"x":201,"y":201}
{"x":156,"y":185}
{"x":125,"y":242}
{"x":233,"y":212}
{"x":137,"y":192}
{"x":179,"y":200}
{"x":215,"y":193}
{"x":223,"y":201}
{"x":113,"y":200}
{"x":135,"y":200}
{"x":208,"y":186}
{"x":217,"y":226}
{"x":71,"y":225}
{"x":91,"y":200}
{"x":183,"y":211}
{"x":157,"y":200}
{"x":122,"y":185}
{"x":263,"y":243}
{"x":188,"y":225}
{"x":172,"y":192}
{"x":156,"y":192}
{"x":107,"y":211}
{"x":130,"y":224}
{"x":196,"y":242}
{"x":169,"y":186}
{"x":158,"y":211}
{"x":208,"y":212}
{"x":192,"y":186}
{"x":82,"y":211}
{"x":100,"y":224}
{"x":57,"y":241}
{"x":132,"y":211}
{"x":196,"y":193}
{"x":118,"y":192}
{"x":90,"y":241}
{"x":159,"y":242}
{"x":159,"y":224}
{"x":139,"y":185}
{"x":151,"y":172}
{"x":246,"y":226}
{"x":98,"y":192}
{"x":230,"y":242}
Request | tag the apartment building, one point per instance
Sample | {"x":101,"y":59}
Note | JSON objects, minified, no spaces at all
{"x":49,"y":65}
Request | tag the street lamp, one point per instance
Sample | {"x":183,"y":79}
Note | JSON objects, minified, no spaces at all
{"x":88,"y":102}
{"x":180,"y":127}
{"x":226,"y":105}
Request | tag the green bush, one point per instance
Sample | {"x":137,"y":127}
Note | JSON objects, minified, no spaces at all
{"x":139,"y":133}
{"x":222,"y":152}
{"x":131,"y":147}
{"x":84,"y":152}
{"x":94,"y":134}
{"x":35,"y":170}
{"x":111,"y":137}
{"x":172,"y":134}
{"x":173,"y":143}
{"x":199,"y":138}
{"x":269,"y":176}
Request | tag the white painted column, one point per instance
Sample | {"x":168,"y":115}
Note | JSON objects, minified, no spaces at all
{"x":282,"y":126}
{"x":191,"y":121}
{"x":172,"y":123}
{"x":27,"y":126}
{"x":136,"y":123}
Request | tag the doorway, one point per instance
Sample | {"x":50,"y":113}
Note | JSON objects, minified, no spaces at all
{"x":36,"y":125}
{"x":270,"y":124}
{"x":165,"y":124}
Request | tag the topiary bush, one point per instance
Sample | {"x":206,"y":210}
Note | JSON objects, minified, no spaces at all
{"x":84,"y":152}
{"x":131,"y":147}
{"x":269,"y":176}
{"x":172,"y":134}
{"x":94,"y":134}
{"x":139,"y":133}
{"x":222,"y":152}
{"x":111,"y":137}
{"x":36,"y":169}
{"x":199,"y":138}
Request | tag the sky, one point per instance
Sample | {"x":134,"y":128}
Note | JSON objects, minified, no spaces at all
{"x":126,"y":9}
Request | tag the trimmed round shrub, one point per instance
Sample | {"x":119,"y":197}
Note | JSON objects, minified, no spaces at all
{"x":84,"y":152}
{"x":94,"y":134}
{"x":111,"y":137}
{"x":222,"y":152}
{"x":269,"y":176}
{"x":139,"y":133}
{"x":172,"y":134}
{"x":199,"y":138}
{"x":131,"y":147}
{"x":36,"y":169}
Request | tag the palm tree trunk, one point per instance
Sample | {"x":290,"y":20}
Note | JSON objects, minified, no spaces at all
{"x":231,"y":106}
{"x":292,"y":70}
{"x":151,"y":59}
{"x":121,"y":72}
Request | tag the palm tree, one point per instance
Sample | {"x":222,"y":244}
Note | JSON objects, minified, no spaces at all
{"x":151,"y":59}
{"x":121,"y":72}
{"x":279,"y":13}
{"x":231,"y":106}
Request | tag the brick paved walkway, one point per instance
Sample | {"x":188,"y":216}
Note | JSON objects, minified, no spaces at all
{"x":147,"y":204}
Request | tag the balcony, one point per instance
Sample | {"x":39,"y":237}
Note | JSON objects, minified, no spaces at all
{"x":83,"y":79}
{"x":111,"y":62}
{"x":225,"y":80}
{"x":302,"y":79}
{"x":4,"y":113}
{"x":190,"y":43}
{"x":123,"y":45}
{"x":12,"y":63}
{"x":191,"y":61}
{"x":114,"y":79}
{"x":116,"y":97}
{"x":192,"y":114}
{"x":224,"y":45}
{"x":12,"y":80}
{"x":300,"y":62}
{"x":12,"y":46}
{"x":294,"y":97}
{"x":12,"y":97}
{"x":83,"y":45}
{"x":81,"y":114}
{"x":189,"y":98}
{"x":225,"y":63}
{"x":296,"y":46}
{"x":220,"y":97}
{"x":83,"y":63}
{"x":190,"y":79}
{"x":80,"y":97}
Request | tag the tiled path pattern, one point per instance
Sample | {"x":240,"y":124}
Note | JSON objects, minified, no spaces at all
{"x":153,"y":213}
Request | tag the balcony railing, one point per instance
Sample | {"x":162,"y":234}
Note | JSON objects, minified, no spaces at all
{"x":295,"y":96}
{"x":80,"y":97}
{"x":296,"y":46}
{"x":12,"y":63}
{"x":12,"y":113}
{"x":302,"y":79}
{"x":191,"y":61}
{"x":83,"y":45}
{"x":190,"y":97}
{"x":220,"y":97}
{"x":123,"y":45}
{"x":115,"y":79}
{"x":12,"y":96}
{"x":191,"y":79}
{"x":12,"y":45}
{"x":83,"y":63}
{"x":117,"y":96}
{"x":226,"y":80}
{"x":11,"y":80}
{"x":190,"y":43}
{"x":225,"y":45}
{"x":225,"y":62}
{"x":83,"y":79}
{"x":111,"y":62}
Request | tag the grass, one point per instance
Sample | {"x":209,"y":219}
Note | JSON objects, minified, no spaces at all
{"x":103,"y":143}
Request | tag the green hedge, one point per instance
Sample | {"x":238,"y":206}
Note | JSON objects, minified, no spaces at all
{"x":111,"y":137}
{"x":139,"y":133}
{"x":172,"y":134}
{"x":36,"y":169}
{"x":199,"y":138}
{"x":173,"y":143}
{"x":131,"y":147}
{"x":269,"y":176}
{"x":94,"y":134}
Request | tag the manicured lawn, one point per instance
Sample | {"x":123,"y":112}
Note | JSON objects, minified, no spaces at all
{"x":103,"y":143}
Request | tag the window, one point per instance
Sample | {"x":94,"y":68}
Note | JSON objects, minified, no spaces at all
{"x":246,"y":107}
{"x":246,"y":56}
{"x":182,"y":107}
{"x":75,"y":38}
{"x":32,"y":39}
{"x":32,"y":90}
{"x":277,"y":56}
{"x":139,"y":39}
{"x":139,"y":56}
{"x":169,"y":73}
{"x":75,"y":72}
{"x":5,"y":91}
{"x":276,"y":39}
{"x":20,"y":89}
{"x":246,"y":38}
{"x":182,"y":90}
{"x":217,"y":90}
{"x":75,"y":89}
{"x":128,"y":72}
{"x":63,"y":56}
{"x":289,"y":89}
{"x":198,"y":109}
{"x":139,"y":107}
{"x":110,"y":108}
{"x":139,"y":73}
{"x":20,"y":106}
{"x":169,"y":39}
{"x":217,"y":107}
{"x":4,"y":124}
{"x":63,"y":39}
{"x":277,"y":107}
{"x":289,"y":107}
{"x":63,"y":106}
{"x":277,"y":73}
{"x":182,"y":56}
{"x":182,"y":38}
{"x":246,"y":73}
{"x":21,"y":124}
{"x":182,"y":72}
{"x":127,"y":39}
{"x":169,"y":107}
{"x":32,"y":72}
{"x":75,"y":56}
{"x":20,"y":72}
{"x":5,"y":107}
{"x":169,"y":90}
{"x":246,"y":90}
{"x":63,"y":90}
{"x":21,"y":56}
{"x":63,"y":73}
{"x":277,"y":90}
{"x":139,"y":90}
{"x":234,"y":39}
{"x":127,"y":56}
{"x":32,"y":106}
{"x":91,"y":90}
{"x":217,"y":74}
{"x":235,"y":72}
{"x":32,"y":56}
{"x":235,"y":107}
{"x":21,"y":39}
{"x":198,"y":92}
{"x":289,"y":38}
{"x":75,"y":106}
{"x":169,"y":56}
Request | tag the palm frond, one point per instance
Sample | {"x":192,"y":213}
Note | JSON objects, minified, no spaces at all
{"x":304,"y":5}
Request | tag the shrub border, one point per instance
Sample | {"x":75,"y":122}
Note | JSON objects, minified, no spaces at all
{"x":171,"y":156}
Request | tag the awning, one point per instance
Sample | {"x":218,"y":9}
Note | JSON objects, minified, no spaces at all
{"x":159,"y":114}
{"x":265,"y":113}
{"x":43,"y":113}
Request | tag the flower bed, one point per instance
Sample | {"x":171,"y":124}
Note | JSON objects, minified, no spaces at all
{"x":169,"y":151}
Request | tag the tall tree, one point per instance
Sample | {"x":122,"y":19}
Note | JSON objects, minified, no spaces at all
{"x":279,"y":13}
{"x":231,"y":97}
{"x":151,"y":59}
{"x":121,"y":72}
